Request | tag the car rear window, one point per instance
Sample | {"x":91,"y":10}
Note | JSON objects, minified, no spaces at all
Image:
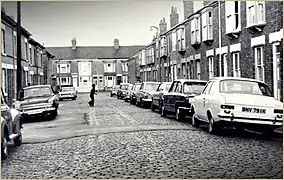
{"x":244,"y":87}
{"x":193,"y":87}
{"x":37,"y":92}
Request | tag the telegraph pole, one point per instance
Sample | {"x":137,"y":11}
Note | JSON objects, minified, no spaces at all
{"x":19,"y":52}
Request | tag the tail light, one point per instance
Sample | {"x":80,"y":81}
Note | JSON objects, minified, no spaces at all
{"x":227,"y":108}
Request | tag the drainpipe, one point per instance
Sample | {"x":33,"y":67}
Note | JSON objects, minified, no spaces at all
{"x":220,"y":39}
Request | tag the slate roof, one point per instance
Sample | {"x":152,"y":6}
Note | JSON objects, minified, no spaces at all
{"x":92,"y":52}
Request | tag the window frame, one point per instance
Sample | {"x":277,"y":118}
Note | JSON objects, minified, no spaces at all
{"x":3,"y":39}
{"x":196,"y":29}
{"x":231,"y":16}
{"x":260,"y":66}
{"x":198,"y":69}
{"x":211,"y":66}
{"x":236,"y":72}
{"x":254,"y":17}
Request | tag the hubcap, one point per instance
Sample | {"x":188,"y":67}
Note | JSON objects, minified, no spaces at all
{"x":177,"y":114}
{"x":5,"y":146}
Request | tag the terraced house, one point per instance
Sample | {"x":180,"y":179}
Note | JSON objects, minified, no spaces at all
{"x":33,"y":54}
{"x":227,"y":38}
{"x":82,"y":66}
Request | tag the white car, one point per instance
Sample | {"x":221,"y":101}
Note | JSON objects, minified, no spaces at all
{"x":239,"y":102}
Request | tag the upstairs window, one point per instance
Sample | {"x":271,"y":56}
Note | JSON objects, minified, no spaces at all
{"x":195,"y":30}
{"x":174,"y":41}
{"x":233,"y":16}
{"x":255,"y":13}
{"x":181,"y":39}
{"x":207,"y":25}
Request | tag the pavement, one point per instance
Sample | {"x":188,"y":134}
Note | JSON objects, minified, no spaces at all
{"x":115,"y":139}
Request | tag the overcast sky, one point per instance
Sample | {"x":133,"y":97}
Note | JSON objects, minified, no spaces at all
{"x":93,"y":22}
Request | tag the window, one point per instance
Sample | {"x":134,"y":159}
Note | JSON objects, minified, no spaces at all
{"x":198,"y":69}
{"x":236,"y":64}
{"x":255,"y":12}
{"x":163,"y":46}
{"x":233,"y":16}
{"x":181,"y":39}
{"x":207,"y":87}
{"x":207,"y":26}
{"x":15,"y":43}
{"x":211,"y":67}
{"x":178,"y":87}
{"x":109,"y":78}
{"x":223,"y":72}
{"x":174,"y":41}
{"x":31,"y":57}
{"x":26,"y":50}
{"x":259,"y":65}
{"x":3,"y":41}
{"x":173,"y":87}
{"x":195,"y":30}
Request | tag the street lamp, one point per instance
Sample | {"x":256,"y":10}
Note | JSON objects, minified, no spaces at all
{"x":158,"y":34}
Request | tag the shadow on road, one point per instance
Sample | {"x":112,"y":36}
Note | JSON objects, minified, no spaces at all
{"x":37,"y":119}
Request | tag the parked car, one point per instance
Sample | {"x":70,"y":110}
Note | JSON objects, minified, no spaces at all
{"x":157,"y":96}
{"x":133,"y":92}
{"x":10,"y":126}
{"x":178,"y":100}
{"x":122,"y":90}
{"x":39,"y":100}
{"x":128,"y":91}
{"x":144,"y":95}
{"x":68,"y":92}
{"x":114,"y":90}
{"x":238,"y":102}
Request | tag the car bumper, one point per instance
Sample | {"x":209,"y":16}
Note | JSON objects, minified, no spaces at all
{"x":147,"y":100}
{"x":67,"y":96}
{"x":247,"y":120}
{"x":37,"y":112}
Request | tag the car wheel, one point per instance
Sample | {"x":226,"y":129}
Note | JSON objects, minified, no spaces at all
{"x":213,"y":127}
{"x":160,"y":108}
{"x":163,"y":112}
{"x":4,"y":149}
{"x":179,"y":115}
{"x":18,"y":140}
{"x":152,"y":106}
{"x":194,"y":121}
{"x":137,"y":103}
{"x":111,"y":95}
{"x":54,"y":114}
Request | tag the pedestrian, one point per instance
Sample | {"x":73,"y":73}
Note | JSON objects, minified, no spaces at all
{"x":92,"y":93}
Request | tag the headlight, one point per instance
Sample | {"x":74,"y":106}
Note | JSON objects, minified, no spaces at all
{"x":227,"y":108}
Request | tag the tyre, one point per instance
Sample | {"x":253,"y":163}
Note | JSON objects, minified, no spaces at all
{"x":213,"y":127}
{"x":18,"y":140}
{"x":74,"y":98}
{"x":137,"y":103}
{"x":163,"y":112}
{"x":4,"y":149}
{"x":111,"y":95}
{"x":54,"y":114}
{"x":194,"y":121}
{"x":152,"y":107}
{"x":179,"y":114}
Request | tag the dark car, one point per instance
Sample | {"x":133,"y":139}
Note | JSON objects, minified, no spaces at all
{"x":10,"y":126}
{"x":158,"y":95}
{"x":68,"y":92}
{"x":113,"y":90}
{"x":121,"y":93}
{"x":127,"y":93}
{"x":133,"y":92}
{"x":144,"y":95}
{"x":39,"y":100}
{"x":178,"y":99}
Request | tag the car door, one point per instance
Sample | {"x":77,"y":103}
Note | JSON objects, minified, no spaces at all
{"x":156,"y":95}
{"x":168,"y":97}
{"x":199,"y":101}
{"x":178,"y":96}
{"x":173,"y":96}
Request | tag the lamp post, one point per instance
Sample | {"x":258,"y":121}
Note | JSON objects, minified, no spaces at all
{"x":159,"y":59}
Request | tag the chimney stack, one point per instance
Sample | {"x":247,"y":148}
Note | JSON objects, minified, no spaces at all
{"x":73,"y":41}
{"x":163,"y":26}
{"x":174,"y":17}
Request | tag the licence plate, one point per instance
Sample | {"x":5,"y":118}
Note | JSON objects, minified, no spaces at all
{"x":254,"y":110}
{"x":35,"y":111}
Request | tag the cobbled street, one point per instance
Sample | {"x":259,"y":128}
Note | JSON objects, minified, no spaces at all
{"x":115,"y":139}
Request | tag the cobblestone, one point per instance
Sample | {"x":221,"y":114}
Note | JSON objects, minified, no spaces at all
{"x":174,"y":154}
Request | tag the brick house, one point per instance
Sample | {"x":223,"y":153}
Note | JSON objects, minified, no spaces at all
{"x":251,"y":43}
{"x":32,"y":55}
{"x":82,"y":66}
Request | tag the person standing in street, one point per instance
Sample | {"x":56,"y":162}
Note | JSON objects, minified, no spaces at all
{"x":92,"y":93}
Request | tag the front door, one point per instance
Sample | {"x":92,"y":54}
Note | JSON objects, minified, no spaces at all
{"x":75,"y":81}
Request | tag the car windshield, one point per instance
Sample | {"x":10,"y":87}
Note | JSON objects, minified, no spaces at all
{"x":67,"y":89}
{"x":137,"y":87}
{"x":151,"y":86}
{"x":36,"y":92}
{"x":244,"y":87}
{"x":193,"y":87}
{"x":168,"y":86}
{"x":124,"y":87}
